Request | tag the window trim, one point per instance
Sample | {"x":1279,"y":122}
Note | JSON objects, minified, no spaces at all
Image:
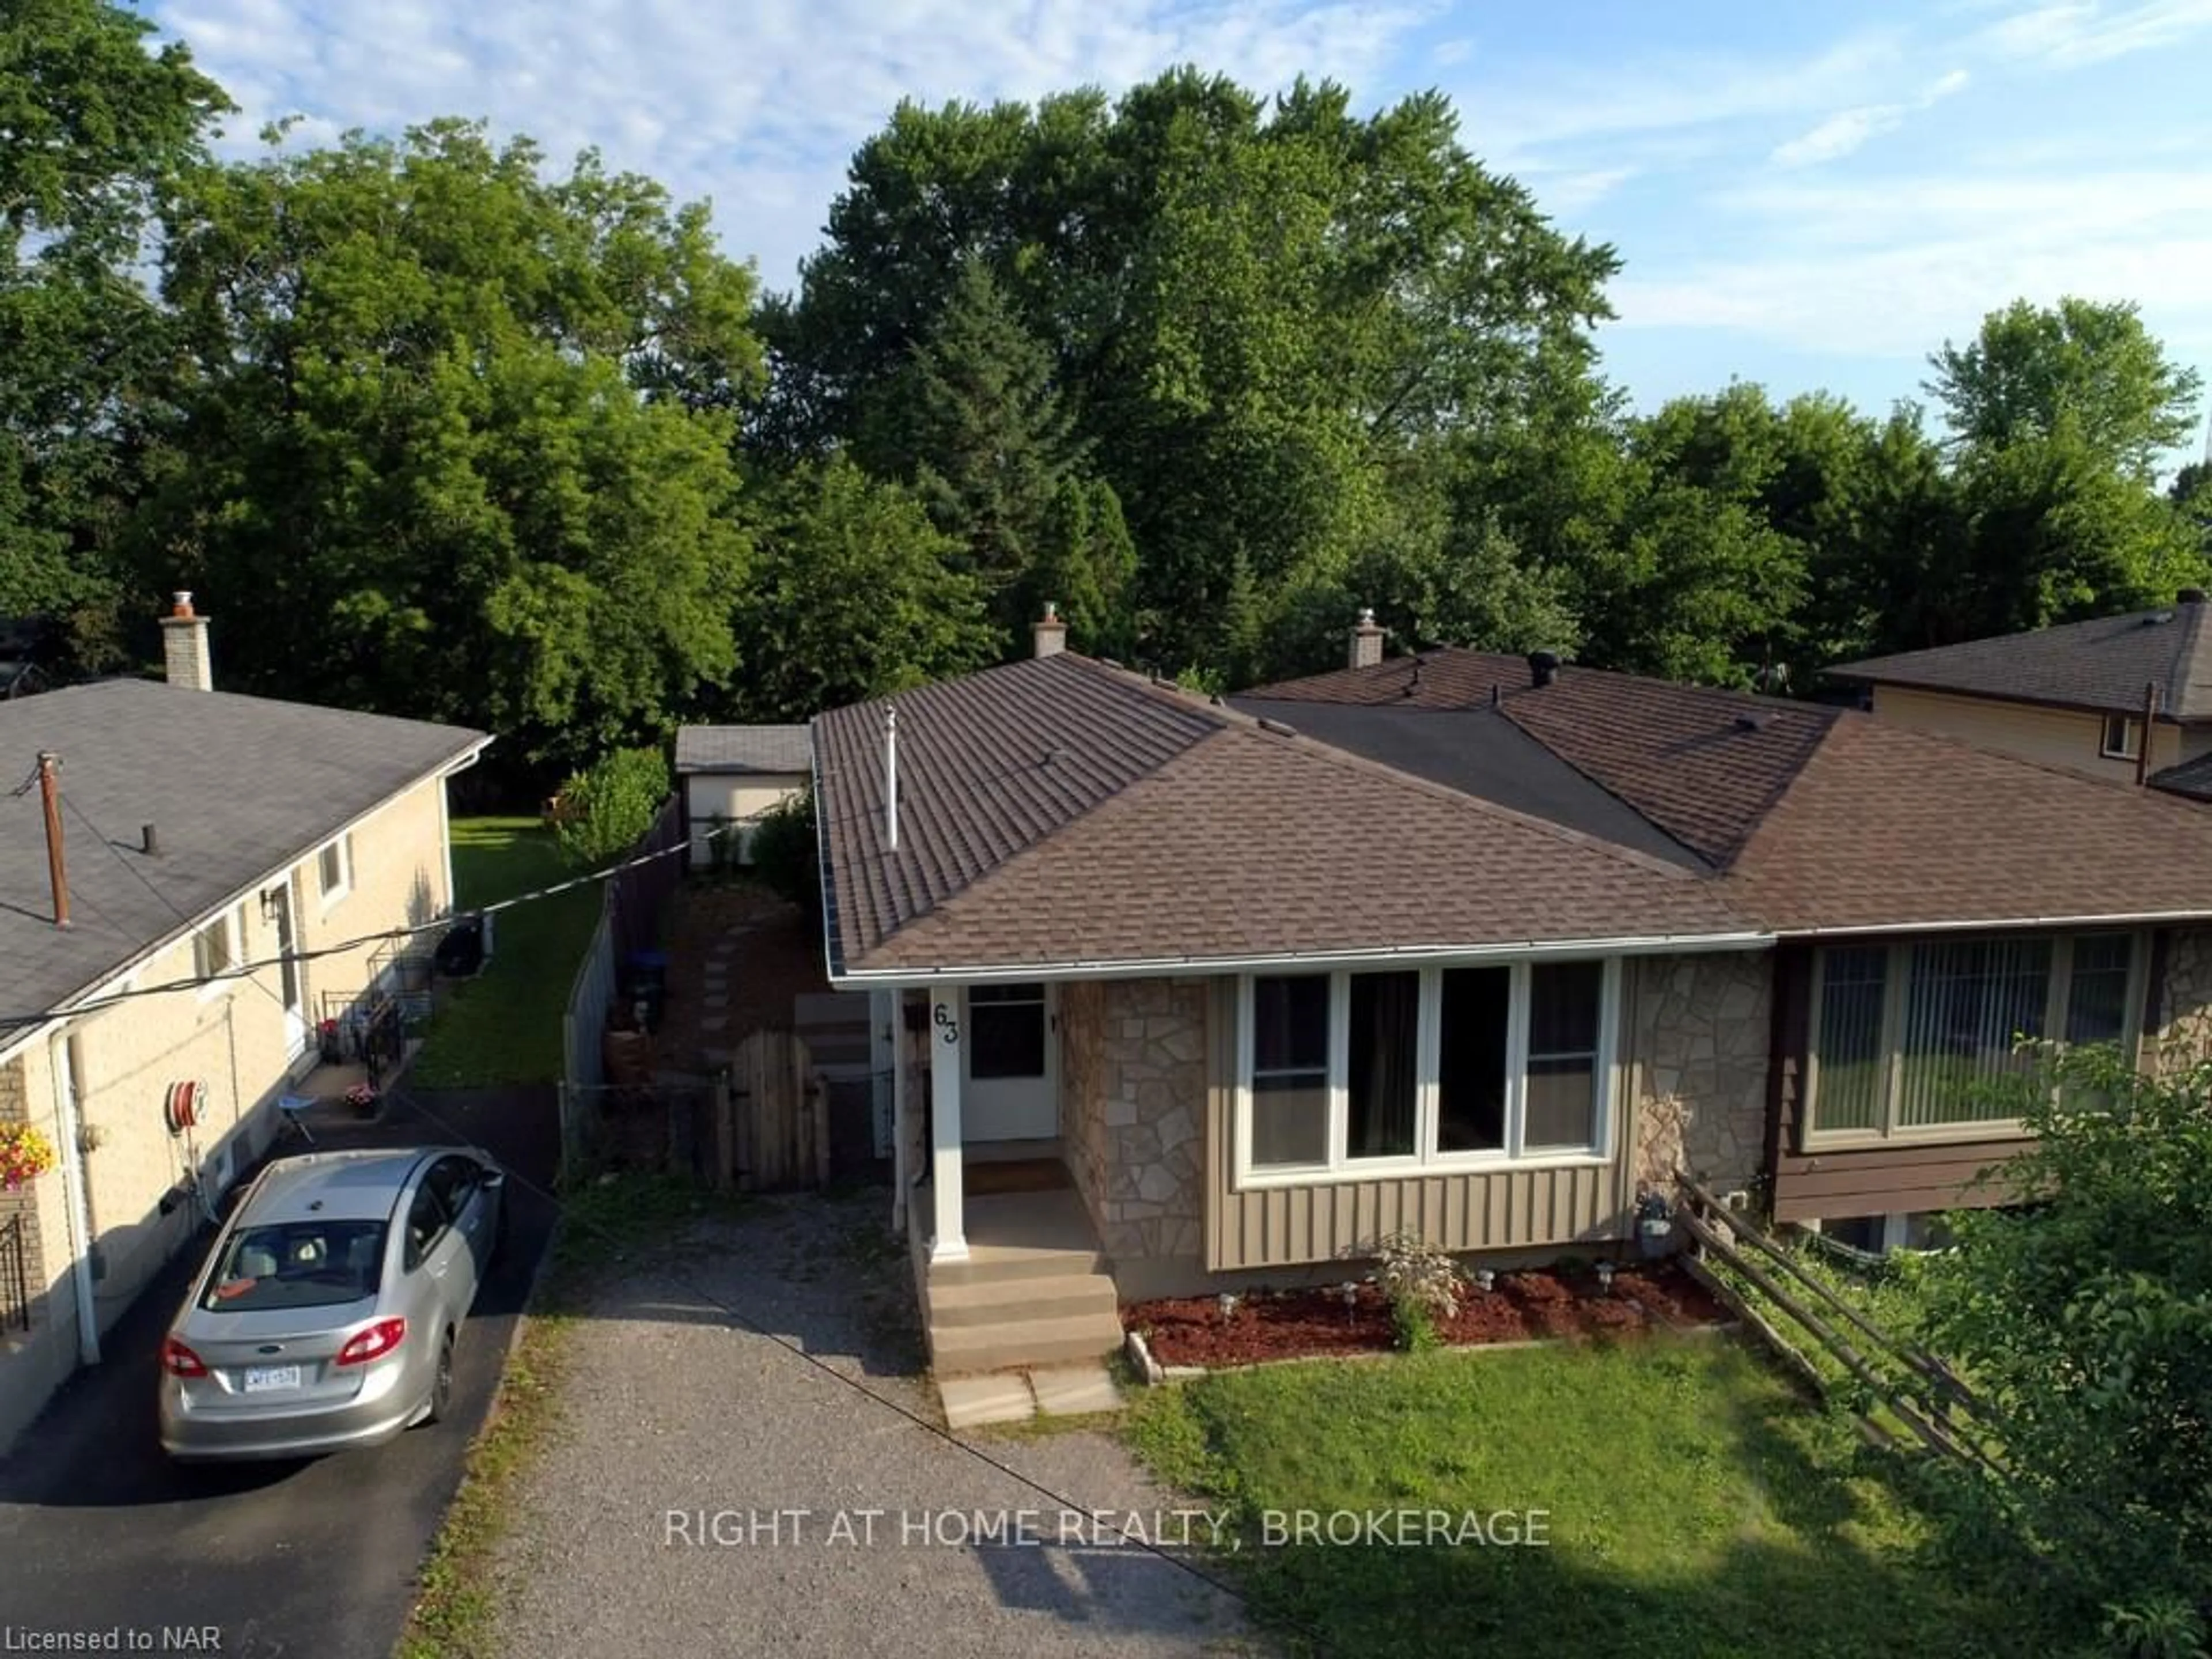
{"x":1889,"y":1132}
{"x":2132,"y":738}
{"x":232,"y":922}
{"x":1426,"y":1160}
{"x":342,"y":842}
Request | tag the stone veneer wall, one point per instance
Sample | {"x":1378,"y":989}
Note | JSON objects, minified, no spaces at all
{"x":2183,"y":1019}
{"x":1699,"y":1029}
{"x":1134,"y":1100}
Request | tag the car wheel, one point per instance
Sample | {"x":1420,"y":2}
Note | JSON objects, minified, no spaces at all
{"x":441,"y":1385}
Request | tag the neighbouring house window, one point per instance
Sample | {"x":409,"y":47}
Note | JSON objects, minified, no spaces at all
{"x":1910,"y":1037}
{"x":1348,"y":1071}
{"x":334,"y":867}
{"x":215,"y":947}
{"x":1006,"y":1031}
{"x":2122,"y":739}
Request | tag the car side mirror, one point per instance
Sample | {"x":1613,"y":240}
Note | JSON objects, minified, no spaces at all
{"x":493,"y":1180}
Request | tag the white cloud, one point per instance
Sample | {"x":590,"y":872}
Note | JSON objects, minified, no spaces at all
{"x":1895,"y":266}
{"x":2077,"y":32}
{"x":758,"y":107}
{"x":1664,"y":93}
{"x":1839,"y":134}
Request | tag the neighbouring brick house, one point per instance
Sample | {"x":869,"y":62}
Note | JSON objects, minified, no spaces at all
{"x":202,"y":833}
{"x":1196,"y":993}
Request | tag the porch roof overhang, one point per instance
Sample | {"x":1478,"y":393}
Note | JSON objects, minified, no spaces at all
{"x":1375,"y":957}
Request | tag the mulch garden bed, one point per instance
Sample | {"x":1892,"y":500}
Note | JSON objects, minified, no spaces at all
{"x":1519,"y":1307}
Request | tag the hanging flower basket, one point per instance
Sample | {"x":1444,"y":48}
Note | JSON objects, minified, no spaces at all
{"x":25,"y":1154}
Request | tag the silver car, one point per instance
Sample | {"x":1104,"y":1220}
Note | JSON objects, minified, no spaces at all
{"x":327,"y":1315}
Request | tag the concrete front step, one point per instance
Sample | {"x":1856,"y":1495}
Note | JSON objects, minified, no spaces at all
{"x":995,"y":1263}
{"x":1009,"y":1301}
{"x":958,"y":1349}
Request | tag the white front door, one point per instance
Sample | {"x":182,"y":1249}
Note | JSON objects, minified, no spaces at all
{"x":1010,"y":1065}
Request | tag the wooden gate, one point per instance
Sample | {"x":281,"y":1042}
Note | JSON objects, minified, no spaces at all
{"x":775,"y":1126}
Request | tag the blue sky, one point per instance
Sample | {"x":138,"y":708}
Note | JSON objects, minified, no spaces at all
{"x":1804,"y":194}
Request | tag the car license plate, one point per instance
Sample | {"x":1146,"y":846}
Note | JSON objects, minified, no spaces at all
{"x":261,"y":1379}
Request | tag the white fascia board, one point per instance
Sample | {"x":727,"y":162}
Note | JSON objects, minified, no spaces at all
{"x":1388,"y":956}
{"x":2003,"y":924}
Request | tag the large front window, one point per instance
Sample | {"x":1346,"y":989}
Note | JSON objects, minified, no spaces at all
{"x":1358,"y":1073}
{"x":1911,"y":1037}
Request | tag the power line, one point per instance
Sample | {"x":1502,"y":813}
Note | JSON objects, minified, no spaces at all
{"x":244,"y":970}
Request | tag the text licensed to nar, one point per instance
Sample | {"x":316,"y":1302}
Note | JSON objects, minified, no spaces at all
{"x":114,"y":1638}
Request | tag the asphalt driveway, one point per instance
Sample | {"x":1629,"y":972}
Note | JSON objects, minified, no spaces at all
{"x":706,"y":1491}
{"x":99,"y":1529}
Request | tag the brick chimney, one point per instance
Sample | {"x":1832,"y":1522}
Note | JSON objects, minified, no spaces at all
{"x":184,"y":647}
{"x":1051,"y":632}
{"x":1366,"y":640}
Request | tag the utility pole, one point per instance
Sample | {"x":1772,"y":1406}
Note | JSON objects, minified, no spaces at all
{"x":50,"y":795}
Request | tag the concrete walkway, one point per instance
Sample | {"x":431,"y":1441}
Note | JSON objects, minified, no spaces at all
{"x":709,"y":1492}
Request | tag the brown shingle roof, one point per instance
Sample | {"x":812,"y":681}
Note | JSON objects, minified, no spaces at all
{"x":2102,"y":664}
{"x":990,"y":764}
{"x":1060,"y":813}
{"x":1702,"y":764}
{"x":1253,"y":844}
{"x":1887,"y":827}
{"x":1823,"y":818}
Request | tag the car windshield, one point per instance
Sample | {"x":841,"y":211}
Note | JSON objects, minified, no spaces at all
{"x":297,"y":1264}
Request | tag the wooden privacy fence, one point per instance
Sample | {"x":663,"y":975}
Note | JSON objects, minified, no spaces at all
{"x":781,"y":1120}
{"x":774,"y":1131}
{"x":1795,"y":1309}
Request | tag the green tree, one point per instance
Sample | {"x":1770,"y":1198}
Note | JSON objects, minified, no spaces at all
{"x":1707,"y":571}
{"x":97,"y":130}
{"x":979,"y":427}
{"x":1253,"y":310}
{"x":2086,"y":1314}
{"x":2090,"y":368}
{"x":856,"y":594}
{"x":2055,"y":533}
{"x":606,"y":809}
{"x":2191,"y":495}
{"x":455,"y":438}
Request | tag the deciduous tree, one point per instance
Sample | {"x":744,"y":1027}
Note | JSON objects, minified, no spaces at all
{"x":456,"y":437}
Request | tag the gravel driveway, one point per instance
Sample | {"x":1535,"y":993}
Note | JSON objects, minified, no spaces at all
{"x":708,"y":1491}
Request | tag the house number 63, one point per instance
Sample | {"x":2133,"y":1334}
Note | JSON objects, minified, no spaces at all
{"x":948,"y":1028}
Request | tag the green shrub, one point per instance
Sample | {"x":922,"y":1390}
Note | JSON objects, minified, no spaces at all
{"x":606,"y":811}
{"x":784,"y":853}
{"x":1423,"y":1284}
{"x":2086,"y":1314}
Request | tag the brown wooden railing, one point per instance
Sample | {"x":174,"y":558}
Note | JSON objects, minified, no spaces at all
{"x":1792,"y":1310}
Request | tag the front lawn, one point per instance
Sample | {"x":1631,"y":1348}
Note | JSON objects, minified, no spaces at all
{"x":505,"y":1025}
{"x":1694,"y":1506}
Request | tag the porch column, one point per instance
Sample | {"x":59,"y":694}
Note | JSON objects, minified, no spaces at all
{"x":901,"y":1177}
{"x":948,"y":1237}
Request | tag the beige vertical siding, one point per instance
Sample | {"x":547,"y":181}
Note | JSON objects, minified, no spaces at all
{"x":1500,"y":1210}
{"x":2053,"y":737}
